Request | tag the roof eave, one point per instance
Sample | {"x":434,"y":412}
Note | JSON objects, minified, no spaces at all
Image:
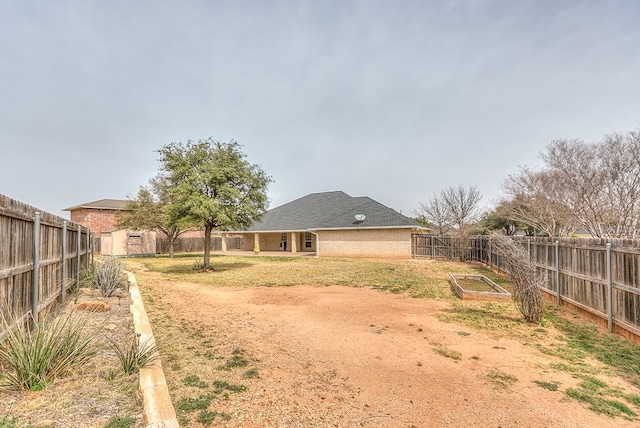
{"x":368,"y":227}
{"x":316,"y":229}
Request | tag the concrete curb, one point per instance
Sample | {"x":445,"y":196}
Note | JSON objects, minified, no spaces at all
{"x":158,"y":409}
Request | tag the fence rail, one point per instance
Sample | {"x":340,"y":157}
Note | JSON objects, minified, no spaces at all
{"x":597,"y":276}
{"x":41,"y":256}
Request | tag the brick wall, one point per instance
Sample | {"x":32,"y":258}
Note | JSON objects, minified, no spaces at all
{"x":97,"y":220}
{"x":394,"y":243}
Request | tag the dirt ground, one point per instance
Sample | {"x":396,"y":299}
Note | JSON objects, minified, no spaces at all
{"x":351,"y":357}
{"x":91,"y":396}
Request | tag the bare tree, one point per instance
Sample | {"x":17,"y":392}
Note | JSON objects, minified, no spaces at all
{"x":538,"y":200}
{"x":526,"y":280}
{"x":436,"y":215}
{"x":454,"y":208}
{"x":462,"y":205}
{"x":603,"y":182}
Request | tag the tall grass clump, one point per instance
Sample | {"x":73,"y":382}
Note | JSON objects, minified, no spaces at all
{"x":36,"y":355}
{"x":107,"y":275}
{"x":136,"y":354}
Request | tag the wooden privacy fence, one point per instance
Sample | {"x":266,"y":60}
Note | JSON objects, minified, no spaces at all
{"x":600,"y":277}
{"x":196,"y":244}
{"x":41,"y":256}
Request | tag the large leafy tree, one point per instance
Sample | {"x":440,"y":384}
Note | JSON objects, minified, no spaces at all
{"x":153,"y":209}
{"x":214,"y":186}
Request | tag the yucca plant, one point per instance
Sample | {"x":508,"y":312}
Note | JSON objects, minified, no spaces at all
{"x":36,"y":355}
{"x":107,"y":275}
{"x":136,"y":354}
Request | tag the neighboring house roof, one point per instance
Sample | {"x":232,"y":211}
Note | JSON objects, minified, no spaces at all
{"x":102,"y":204}
{"x":332,"y":210}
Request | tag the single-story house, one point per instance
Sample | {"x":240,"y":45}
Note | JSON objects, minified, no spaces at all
{"x":333,"y":224}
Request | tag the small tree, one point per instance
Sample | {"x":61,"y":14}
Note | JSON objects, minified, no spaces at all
{"x":454,"y":208}
{"x":496,"y":221}
{"x":213,"y":185}
{"x":436,"y":215}
{"x":153,"y":209}
{"x":421,"y":219}
{"x":526,"y":280}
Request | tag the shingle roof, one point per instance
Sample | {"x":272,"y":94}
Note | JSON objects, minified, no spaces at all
{"x":331,"y":210}
{"x":102,"y":204}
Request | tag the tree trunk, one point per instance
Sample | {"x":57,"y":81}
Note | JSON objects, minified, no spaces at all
{"x":207,"y":247}
{"x":171,"y":242}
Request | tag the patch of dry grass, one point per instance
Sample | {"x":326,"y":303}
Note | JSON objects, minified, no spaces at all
{"x":419,"y":278}
{"x":202,"y":369}
{"x":443,"y":350}
{"x":500,"y":379}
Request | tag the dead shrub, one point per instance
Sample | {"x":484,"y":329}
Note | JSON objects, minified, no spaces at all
{"x":526,"y":280}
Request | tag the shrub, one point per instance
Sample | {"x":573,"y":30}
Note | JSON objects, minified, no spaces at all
{"x":37,"y":355}
{"x":526,"y":280}
{"x":108,"y":275}
{"x":136,"y":355}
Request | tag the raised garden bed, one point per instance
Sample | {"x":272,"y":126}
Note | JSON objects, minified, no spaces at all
{"x":477,"y":287}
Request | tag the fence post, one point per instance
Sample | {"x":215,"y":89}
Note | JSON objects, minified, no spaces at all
{"x":86,"y":265}
{"x":433,"y":247}
{"x":79,"y":242}
{"x":559,"y":295}
{"x":529,"y":247}
{"x":63,"y":288}
{"x":489,"y":254}
{"x":609,"y":290}
{"x":35,"y":275}
{"x":413,"y":245}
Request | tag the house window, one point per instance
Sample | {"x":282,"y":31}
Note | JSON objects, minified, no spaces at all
{"x":283,"y":242}
{"x":307,"y":240}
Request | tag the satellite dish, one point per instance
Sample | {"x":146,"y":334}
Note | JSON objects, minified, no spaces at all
{"x":360,"y":217}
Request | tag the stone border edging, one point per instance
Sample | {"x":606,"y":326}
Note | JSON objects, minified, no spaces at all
{"x":158,"y":409}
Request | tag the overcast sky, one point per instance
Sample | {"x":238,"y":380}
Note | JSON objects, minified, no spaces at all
{"x":394,"y":100}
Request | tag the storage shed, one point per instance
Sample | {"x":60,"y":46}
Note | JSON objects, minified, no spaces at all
{"x":126,"y":243}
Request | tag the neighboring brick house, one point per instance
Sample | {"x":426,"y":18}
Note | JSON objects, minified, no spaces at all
{"x":334,"y":224}
{"x":99,"y":216}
